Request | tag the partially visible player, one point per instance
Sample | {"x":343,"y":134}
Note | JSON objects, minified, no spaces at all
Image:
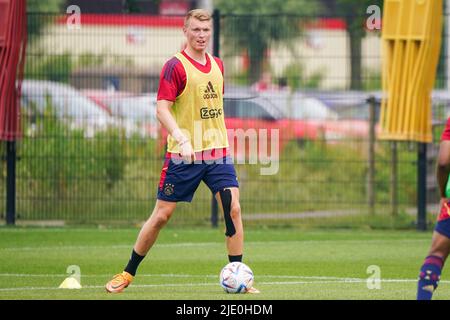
{"x":430,"y":273}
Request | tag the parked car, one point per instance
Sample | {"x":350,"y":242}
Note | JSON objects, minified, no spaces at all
{"x":302,"y":114}
{"x":67,"y":103}
{"x":327,"y":116}
{"x":104,"y":98}
{"x":135,"y":113}
{"x":258,"y":115}
{"x":353,"y":114}
{"x":246,"y":116}
{"x":141,"y":110}
{"x":301,"y":106}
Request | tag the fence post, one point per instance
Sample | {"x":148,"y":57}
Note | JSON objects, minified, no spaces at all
{"x":216,"y":52}
{"x":11,"y":182}
{"x":422,"y":187}
{"x":446,"y":40}
{"x":394,"y":178}
{"x":371,"y":157}
{"x":216,"y":34}
{"x":214,"y":212}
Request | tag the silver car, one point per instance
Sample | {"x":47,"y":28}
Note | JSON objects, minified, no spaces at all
{"x":67,"y":103}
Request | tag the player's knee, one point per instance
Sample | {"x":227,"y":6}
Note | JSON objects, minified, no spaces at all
{"x":235,"y":211}
{"x":160,"y":221}
{"x":231,"y":211}
{"x":162,"y":217}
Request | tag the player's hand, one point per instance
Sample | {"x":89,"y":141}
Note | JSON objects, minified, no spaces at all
{"x":186,"y":151}
{"x":444,"y":202}
{"x":444,"y":208}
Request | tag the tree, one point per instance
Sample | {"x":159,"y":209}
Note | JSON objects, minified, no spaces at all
{"x":39,"y":14}
{"x":47,"y":6}
{"x":254,"y":25}
{"x":355,"y":15}
{"x":141,"y":6}
{"x":130,"y":6}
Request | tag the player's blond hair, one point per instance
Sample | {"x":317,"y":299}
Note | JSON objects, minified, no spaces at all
{"x":199,"y":14}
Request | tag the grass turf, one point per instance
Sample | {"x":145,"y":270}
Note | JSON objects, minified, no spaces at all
{"x":185,"y":263}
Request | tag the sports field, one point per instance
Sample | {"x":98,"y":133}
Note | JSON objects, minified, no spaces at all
{"x":185,"y":263}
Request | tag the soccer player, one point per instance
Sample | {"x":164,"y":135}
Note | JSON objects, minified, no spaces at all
{"x":430,"y":272}
{"x":190,"y":107}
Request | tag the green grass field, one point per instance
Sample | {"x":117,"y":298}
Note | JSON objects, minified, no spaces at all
{"x":185,"y":264}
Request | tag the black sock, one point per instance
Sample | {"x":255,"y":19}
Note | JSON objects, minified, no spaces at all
{"x":235,"y":258}
{"x":134,"y":262}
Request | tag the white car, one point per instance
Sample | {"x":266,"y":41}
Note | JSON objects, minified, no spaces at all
{"x":135,"y":113}
{"x":68,"y":104}
{"x":299,"y":106}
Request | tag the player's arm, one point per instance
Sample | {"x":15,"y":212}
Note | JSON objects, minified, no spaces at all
{"x":443,"y":166}
{"x":165,"y":117}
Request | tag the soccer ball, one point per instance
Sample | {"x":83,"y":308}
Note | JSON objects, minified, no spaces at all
{"x":236,"y":277}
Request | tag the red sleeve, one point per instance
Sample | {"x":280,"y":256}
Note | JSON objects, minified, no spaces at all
{"x":172,"y":80}
{"x":220,"y":64}
{"x":446,"y":133}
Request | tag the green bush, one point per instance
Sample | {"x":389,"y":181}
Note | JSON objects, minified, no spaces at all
{"x":59,"y":162}
{"x":49,"y":67}
{"x":111,"y":148}
{"x":297,"y":78}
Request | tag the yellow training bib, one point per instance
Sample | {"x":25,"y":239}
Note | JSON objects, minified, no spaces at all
{"x":198,"y":110}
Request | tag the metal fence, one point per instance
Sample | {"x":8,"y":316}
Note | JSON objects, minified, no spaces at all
{"x":92,"y":149}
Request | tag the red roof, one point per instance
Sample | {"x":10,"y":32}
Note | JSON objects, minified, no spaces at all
{"x":176,"y":21}
{"x":128,"y":20}
{"x":328,"y":24}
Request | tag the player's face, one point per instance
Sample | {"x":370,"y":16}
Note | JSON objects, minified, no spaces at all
{"x":198,"y":34}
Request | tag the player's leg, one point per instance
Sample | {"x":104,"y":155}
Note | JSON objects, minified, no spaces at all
{"x":431,"y":270}
{"x":222,"y":180}
{"x":150,"y":230}
{"x":220,"y":177}
{"x":147,"y":236}
{"x":178,"y":183}
{"x":228,"y":199}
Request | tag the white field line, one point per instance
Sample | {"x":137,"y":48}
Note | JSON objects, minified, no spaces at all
{"x":200,"y":244}
{"x":313,"y":280}
{"x":162,"y":285}
{"x":171,"y":275}
{"x":212,"y":284}
{"x":120,"y":246}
